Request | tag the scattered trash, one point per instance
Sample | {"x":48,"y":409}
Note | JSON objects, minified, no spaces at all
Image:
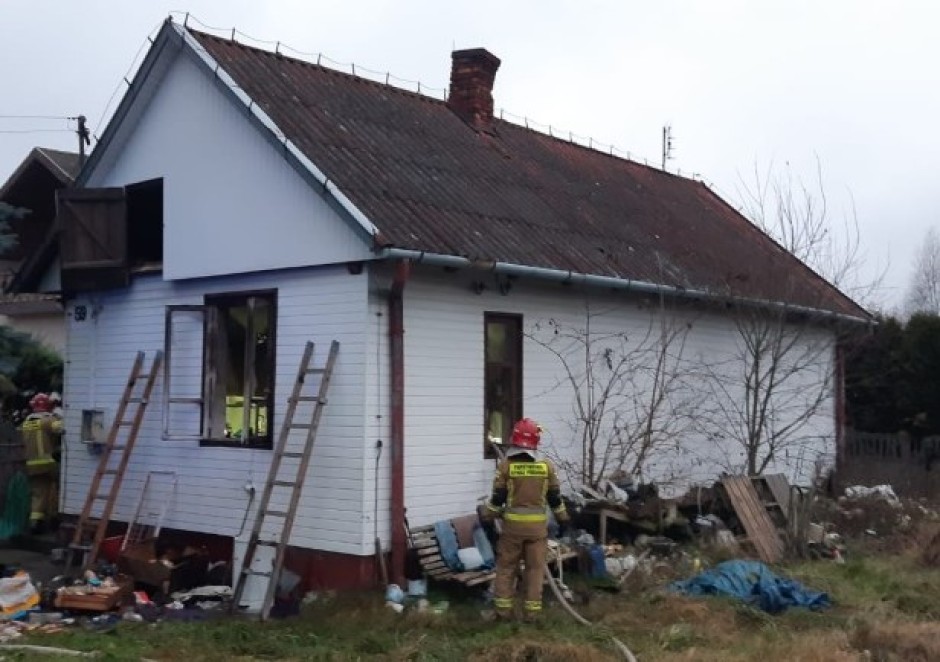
{"x":44,"y":618}
{"x":881,"y":492}
{"x":17,"y":595}
{"x":470,"y":558}
{"x":754,"y":583}
{"x":393,"y":593}
{"x":618,"y":565}
{"x":417,"y":588}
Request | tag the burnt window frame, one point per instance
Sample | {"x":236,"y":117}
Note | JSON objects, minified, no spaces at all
{"x":513,"y":322}
{"x":210,"y":302}
{"x":140,"y":196}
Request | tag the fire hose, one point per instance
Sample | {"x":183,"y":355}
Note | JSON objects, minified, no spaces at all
{"x":619,"y":645}
{"x":560,"y":596}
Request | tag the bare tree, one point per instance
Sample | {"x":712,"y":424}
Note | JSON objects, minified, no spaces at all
{"x":796,"y":214}
{"x":923,"y":294}
{"x":630,"y":397}
{"x":777,"y":380}
{"x":780,"y":375}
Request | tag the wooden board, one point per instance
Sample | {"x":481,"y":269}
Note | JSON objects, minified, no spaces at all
{"x":780,"y":488}
{"x":757,"y":524}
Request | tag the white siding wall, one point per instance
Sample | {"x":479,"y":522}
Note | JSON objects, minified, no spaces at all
{"x":226,"y":188}
{"x":319,"y":304}
{"x":445,"y":470}
{"x":377,"y":476}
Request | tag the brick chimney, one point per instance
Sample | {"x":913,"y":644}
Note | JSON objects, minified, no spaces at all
{"x":472,"y":74}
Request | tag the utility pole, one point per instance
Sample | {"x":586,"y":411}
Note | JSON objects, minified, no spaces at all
{"x":83,"y":139}
{"x":667,"y":144}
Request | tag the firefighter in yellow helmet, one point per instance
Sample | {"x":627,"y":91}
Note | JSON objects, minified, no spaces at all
{"x":523,"y":486}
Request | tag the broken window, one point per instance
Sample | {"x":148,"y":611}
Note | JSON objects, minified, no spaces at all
{"x":502,"y":377}
{"x":235,"y":399}
{"x":145,"y":222}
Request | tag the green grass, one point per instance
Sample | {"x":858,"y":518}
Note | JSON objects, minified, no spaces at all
{"x":871,"y":596}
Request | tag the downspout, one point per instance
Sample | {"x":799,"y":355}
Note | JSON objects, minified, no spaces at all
{"x":840,"y":407}
{"x":396,"y":351}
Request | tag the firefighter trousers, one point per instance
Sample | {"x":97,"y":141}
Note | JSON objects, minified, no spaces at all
{"x":531,"y":547}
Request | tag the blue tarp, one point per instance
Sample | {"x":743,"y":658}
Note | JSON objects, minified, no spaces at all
{"x":754,"y":583}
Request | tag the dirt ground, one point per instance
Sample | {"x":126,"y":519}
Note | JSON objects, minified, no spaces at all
{"x":885,"y":609}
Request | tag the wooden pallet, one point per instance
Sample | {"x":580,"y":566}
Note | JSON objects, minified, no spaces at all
{"x":761,"y":532}
{"x":425,"y":544}
{"x":773,"y":490}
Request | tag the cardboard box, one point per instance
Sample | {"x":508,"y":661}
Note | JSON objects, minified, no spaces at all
{"x":173,"y":571}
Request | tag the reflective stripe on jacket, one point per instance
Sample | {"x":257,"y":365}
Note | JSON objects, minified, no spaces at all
{"x":523,"y":488}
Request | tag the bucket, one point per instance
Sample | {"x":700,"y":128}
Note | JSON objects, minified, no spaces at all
{"x":417,"y":588}
{"x":393,"y":593}
{"x":111,"y":548}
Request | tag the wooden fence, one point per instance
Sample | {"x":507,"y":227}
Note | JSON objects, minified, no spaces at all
{"x":911,"y":465}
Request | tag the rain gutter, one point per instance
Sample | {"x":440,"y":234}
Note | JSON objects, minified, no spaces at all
{"x":609,"y":282}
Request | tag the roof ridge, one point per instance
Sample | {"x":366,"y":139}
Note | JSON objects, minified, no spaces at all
{"x":330,"y":70}
{"x":428,"y":98}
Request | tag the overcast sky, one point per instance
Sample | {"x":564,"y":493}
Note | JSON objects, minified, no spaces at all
{"x":853,"y":83}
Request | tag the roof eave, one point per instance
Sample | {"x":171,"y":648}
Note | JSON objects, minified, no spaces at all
{"x":611,"y":282}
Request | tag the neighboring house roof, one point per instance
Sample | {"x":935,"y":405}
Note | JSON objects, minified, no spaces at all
{"x":432,"y":182}
{"x":64,"y":166}
{"x":33,"y":184}
{"x":29,"y":303}
{"x":68,"y":163}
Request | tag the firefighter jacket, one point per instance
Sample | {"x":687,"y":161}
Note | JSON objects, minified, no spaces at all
{"x":41,"y":435}
{"x":522,"y":488}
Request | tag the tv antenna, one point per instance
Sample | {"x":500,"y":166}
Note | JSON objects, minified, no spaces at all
{"x":667,"y":144}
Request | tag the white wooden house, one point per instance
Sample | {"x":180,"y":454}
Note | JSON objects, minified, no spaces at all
{"x":243,"y":198}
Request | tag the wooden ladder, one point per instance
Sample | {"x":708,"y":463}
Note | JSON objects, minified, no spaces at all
{"x":295,"y":485}
{"x":138,"y":404}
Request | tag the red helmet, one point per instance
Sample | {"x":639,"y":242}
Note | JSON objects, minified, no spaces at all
{"x":40,"y":403}
{"x":526,"y":434}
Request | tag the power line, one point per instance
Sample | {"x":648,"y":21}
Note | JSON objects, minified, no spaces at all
{"x":33,"y":117}
{"x":35,"y":131}
{"x":125,"y":79}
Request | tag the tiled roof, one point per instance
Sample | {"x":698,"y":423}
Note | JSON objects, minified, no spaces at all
{"x":431,"y":182}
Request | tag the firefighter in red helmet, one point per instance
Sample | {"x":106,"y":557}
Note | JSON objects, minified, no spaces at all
{"x":42,"y":432}
{"x":523,"y":487}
